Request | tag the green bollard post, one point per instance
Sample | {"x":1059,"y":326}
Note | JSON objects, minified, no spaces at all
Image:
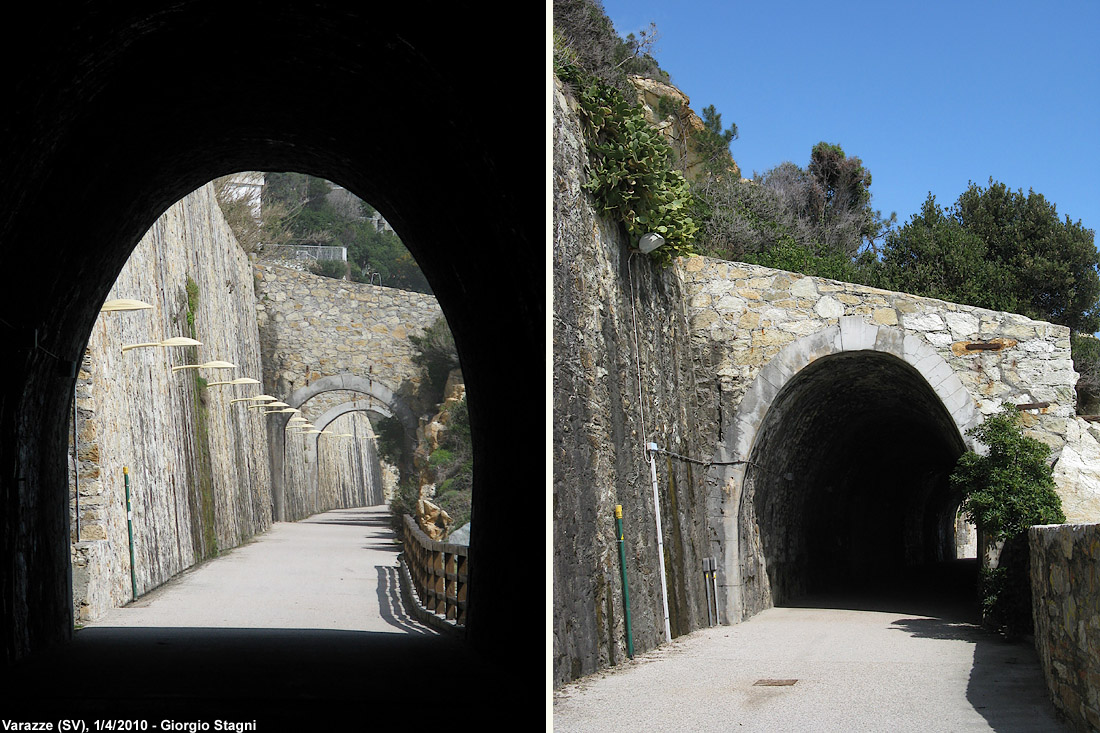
{"x":130,"y":530}
{"x":626,"y":591}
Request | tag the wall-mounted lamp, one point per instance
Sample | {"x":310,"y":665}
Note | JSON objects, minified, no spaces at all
{"x":124,"y":304}
{"x":258,"y":398}
{"x":177,"y":341}
{"x":650,"y":242}
{"x":239,"y":380}
{"x":207,"y":365}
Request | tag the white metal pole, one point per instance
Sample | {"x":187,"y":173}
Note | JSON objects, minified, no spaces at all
{"x":660,"y":539}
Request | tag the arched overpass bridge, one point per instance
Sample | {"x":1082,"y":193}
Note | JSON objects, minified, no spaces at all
{"x":323,"y":338}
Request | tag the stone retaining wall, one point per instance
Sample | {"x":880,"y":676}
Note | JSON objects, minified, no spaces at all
{"x":315,"y":327}
{"x":623,"y":377}
{"x":670,"y":355}
{"x":198,"y":465}
{"x":743,"y":315}
{"x":1065,"y":583}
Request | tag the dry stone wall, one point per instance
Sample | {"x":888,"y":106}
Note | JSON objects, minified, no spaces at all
{"x":314,"y":327}
{"x":743,"y":316}
{"x":198,"y":466}
{"x":1065,"y":582}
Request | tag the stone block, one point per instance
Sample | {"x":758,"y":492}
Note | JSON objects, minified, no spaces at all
{"x":828,"y":307}
{"x":857,"y":334}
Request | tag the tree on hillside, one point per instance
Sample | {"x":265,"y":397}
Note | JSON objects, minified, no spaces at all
{"x":1034,"y":263}
{"x":936,"y":256}
{"x":1054,"y":260}
{"x":712,"y":143}
{"x":817,"y":218}
{"x":319,"y":219}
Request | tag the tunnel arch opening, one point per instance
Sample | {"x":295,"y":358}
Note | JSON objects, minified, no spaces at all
{"x":126,"y":119}
{"x":846,"y":486}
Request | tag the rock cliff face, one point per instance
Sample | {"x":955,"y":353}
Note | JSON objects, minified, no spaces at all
{"x":623,"y":376}
{"x":198,"y":465}
{"x":668,"y":110}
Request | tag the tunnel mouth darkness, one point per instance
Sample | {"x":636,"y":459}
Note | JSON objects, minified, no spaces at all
{"x":846,"y":498}
{"x":120,"y":110}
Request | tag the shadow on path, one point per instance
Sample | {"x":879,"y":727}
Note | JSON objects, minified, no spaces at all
{"x":1006,"y":684}
{"x":305,"y":676}
{"x":392,"y":608}
{"x":359,"y":517}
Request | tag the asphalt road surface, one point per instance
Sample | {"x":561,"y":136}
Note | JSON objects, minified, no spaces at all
{"x":841,"y":666}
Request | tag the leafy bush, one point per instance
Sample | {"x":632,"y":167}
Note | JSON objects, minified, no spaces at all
{"x":1005,"y":492}
{"x":389,"y":437}
{"x":630,"y":172}
{"x":403,"y":502}
{"x":440,"y":456}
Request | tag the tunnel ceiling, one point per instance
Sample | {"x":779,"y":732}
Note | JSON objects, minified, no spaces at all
{"x":848,"y":476}
{"x":121,"y":109}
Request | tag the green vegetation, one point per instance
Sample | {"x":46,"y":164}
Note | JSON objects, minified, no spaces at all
{"x":1021,"y":256}
{"x":632,"y":170}
{"x":816,"y":220}
{"x":201,"y":495}
{"x":584,"y":38}
{"x":452,"y":465}
{"x":1004,"y":493}
{"x":318,"y":217}
{"x":303,"y":209}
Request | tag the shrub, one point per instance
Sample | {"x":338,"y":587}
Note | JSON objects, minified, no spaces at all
{"x":1005,"y":492}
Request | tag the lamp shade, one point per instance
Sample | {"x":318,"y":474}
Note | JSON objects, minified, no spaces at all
{"x":206,"y":365}
{"x":124,"y":304}
{"x":650,"y":242}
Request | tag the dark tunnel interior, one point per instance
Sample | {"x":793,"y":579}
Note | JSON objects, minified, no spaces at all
{"x":847,"y":487}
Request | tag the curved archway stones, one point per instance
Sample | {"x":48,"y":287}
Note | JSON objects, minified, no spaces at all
{"x":849,"y":334}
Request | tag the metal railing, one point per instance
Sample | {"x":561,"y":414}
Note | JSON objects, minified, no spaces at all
{"x":310,"y":252}
{"x":437,"y":573}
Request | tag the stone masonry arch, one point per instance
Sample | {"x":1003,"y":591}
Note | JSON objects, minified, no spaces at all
{"x":382,"y":400}
{"x":756,"y":329}
{"x":126,"y":93}
{"x":911,"y":371}
{"x":313,"y":441}
{"x":311,"y":449}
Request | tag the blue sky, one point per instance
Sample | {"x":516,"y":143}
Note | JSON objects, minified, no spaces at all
{"x":929,"y":95}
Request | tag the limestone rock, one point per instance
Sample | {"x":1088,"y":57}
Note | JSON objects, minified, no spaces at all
{"x":677,"y":128}
{"x":433,"y":520}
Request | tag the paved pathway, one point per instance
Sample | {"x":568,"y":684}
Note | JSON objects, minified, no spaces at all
{"x":336,"y":570}
{"x":882,"y":669}
{"x":300,"y":629}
